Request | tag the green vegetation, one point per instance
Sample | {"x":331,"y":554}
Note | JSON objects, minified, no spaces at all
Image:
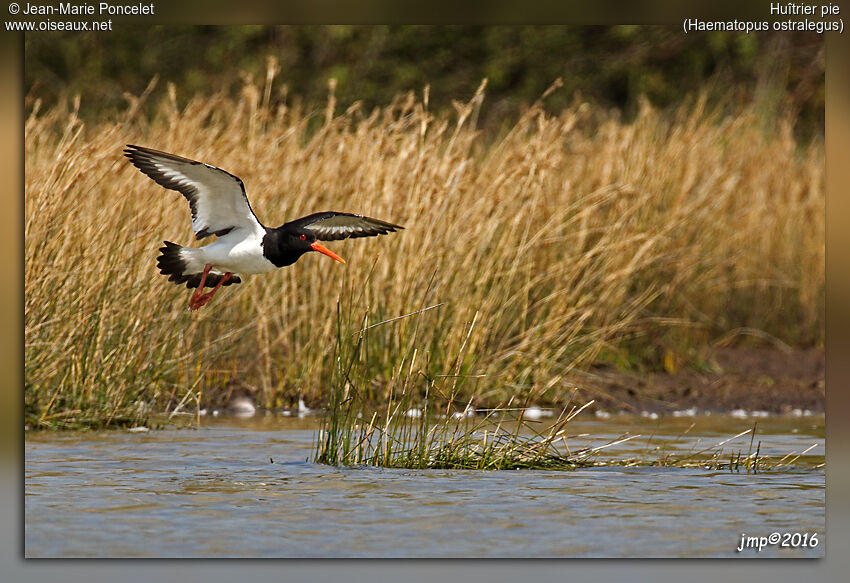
{"x":611,"y":66}
{"x":503,"y":442}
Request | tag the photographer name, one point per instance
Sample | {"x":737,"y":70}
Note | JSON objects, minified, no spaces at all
{"x":69,"y":9}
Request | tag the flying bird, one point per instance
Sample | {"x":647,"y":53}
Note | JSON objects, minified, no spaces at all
{"x":220,"y":207}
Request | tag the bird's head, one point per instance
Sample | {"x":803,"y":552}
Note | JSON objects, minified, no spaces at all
{"x":305,"y":240}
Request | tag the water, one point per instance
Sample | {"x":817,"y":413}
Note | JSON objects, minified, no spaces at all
{"x":236,"y":488}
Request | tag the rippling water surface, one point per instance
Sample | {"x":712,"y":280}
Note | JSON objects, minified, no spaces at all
{"x":237,"y":488}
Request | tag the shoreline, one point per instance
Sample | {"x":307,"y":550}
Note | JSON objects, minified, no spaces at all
{"x":761,"y":379}
{"x":746,"y":382}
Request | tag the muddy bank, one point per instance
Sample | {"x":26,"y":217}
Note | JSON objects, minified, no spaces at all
{"x":753,"y":379}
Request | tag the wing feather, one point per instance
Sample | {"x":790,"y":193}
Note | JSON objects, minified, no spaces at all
{"x":333,"y":226}
{"x":216,"y":198}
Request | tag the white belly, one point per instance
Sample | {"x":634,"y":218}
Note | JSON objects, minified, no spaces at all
{"x":244,"y":256}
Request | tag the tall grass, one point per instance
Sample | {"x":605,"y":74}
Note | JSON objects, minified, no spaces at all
{"x":444,"y":435}
{"x":562,"y":241}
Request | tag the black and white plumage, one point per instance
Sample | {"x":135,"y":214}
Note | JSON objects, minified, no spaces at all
{"x":333,"y":226}
{"x":220,"y":207}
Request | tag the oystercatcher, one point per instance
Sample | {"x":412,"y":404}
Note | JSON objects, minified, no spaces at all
{"x":220,"y":207}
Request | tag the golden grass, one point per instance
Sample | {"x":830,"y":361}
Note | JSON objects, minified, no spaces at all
{"x":569,"y":238}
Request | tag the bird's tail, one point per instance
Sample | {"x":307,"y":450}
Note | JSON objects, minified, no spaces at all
{"x":173,"y":263}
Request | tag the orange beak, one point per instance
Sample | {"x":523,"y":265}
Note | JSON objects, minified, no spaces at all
{"x":322,"y":249}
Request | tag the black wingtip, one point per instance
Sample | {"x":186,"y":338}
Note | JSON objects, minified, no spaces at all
{"x":132,"y":152}
{"x":390,"y":228}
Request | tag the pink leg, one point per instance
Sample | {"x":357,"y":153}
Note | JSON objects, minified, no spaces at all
{"x":205,"y":298}
{"x":193,"y":301}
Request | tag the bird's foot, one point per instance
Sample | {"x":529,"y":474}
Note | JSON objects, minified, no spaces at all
{"x":199,"y":300}
{"x":196,"y":303}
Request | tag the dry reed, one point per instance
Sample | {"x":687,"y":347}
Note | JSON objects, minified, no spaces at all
{"x":567,"y":239}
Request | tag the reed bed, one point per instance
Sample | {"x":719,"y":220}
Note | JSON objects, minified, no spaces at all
{"x":565,"y":240}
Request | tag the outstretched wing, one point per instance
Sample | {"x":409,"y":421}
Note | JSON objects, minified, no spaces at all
{"x":217,"y":198}
{"x":332,"y":226}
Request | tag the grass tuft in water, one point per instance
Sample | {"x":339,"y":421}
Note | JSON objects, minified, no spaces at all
{"x":441,"y":432}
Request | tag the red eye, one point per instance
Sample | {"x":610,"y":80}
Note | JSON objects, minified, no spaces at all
{"x":302,"y":237}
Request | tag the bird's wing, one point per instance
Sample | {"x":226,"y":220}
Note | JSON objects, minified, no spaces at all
{"x":217,"y":198}
{"x":332,"y":226}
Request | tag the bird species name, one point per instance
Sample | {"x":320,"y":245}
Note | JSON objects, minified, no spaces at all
{"x":822,"y":18}
{"x":792,"y":9}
